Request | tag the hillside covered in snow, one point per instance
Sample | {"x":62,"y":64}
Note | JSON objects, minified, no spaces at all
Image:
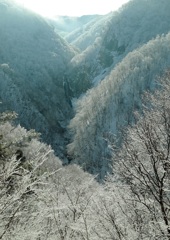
{"x":33,"y":59}
{"x":91,"y":81}
{"x":105,"y":42}
{"x":85,"y":124}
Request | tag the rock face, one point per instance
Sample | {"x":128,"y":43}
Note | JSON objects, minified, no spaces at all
{"x":33,"y":59}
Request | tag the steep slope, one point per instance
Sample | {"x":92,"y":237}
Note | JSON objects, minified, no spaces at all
{"x":33,"y":59}
{"x":133,"y":25}
{"x":64,"y":25}
{"x":109,"y":106}
{"x":86,"y":35}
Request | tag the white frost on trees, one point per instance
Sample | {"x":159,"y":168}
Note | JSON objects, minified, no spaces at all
{"x":109,"y":106}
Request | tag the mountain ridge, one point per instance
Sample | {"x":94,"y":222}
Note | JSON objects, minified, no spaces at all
{"x":36,"y":64}
{"x":109,"y":107}
{"x":32,"y":61}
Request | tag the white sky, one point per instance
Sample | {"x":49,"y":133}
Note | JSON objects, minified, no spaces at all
{"x":50,"y":8}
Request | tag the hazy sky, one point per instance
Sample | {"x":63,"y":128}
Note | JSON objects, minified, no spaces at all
{"x":51,"y":8}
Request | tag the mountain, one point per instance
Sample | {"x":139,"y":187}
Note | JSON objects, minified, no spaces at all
{"x":109,"y":85}
{"x":33,"y":59}
{"x":109,"y":107}
{"x":115,"y":35}
{"x":67,"y":24}
{"x":85,"y":35}
{"x":42,"y":74}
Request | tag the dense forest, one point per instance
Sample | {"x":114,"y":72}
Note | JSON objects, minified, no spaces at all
{"x":85,"y":124}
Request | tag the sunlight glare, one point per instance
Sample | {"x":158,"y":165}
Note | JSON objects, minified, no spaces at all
{"x":50,"y":8}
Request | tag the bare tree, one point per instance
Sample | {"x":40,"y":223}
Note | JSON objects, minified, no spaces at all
{"x":23,"y":182}
{"x":143,"y":163}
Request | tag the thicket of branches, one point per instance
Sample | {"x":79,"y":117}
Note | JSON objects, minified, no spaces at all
{"x":143,"y":164}
{"x":41,"y":199}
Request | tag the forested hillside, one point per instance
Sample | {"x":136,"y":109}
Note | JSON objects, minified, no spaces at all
{"x":64,"y":25}
{"x":108,"y":107}
{"x":32,"y":61}
{"x":84,"y":124}
{"x":108,"y":40}
{"x":84,"y":36}
{"x":40,"y":199}
{"x":41,"y":72}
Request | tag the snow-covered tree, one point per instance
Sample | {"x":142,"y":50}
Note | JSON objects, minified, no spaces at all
{"x":32,"y":62}
{"x":107,"y":41}
{"x":109,"y":106}
{"x":143,"y":165}
{"x":23,"y":180}
{"x":39,"y":198}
